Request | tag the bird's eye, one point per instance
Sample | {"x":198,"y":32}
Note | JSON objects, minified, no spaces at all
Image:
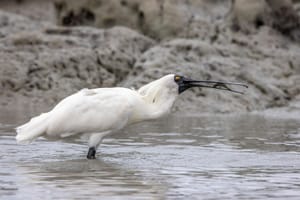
{"x":177,"y":78}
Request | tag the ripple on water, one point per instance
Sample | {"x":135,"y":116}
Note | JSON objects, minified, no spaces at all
{"x":226,"y":158}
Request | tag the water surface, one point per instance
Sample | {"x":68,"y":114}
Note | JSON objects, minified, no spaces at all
{"x":203,"y":157}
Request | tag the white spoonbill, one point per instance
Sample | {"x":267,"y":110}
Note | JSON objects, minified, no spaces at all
{"x":98,"y":112}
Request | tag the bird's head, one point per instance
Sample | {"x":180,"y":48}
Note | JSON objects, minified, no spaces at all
{"x":172,"y":85}
{"x":162,"y":93}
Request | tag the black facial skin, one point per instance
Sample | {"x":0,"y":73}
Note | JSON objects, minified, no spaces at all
{"x":186,"y":83}
{"x":183,"y":83}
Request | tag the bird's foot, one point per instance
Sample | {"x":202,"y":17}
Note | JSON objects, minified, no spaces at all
{"x":92,"y":153}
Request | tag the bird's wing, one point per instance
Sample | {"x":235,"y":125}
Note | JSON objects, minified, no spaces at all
{"x":90,"y":111}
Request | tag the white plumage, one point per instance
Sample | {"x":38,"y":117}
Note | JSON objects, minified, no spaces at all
{"x":98,"y":112}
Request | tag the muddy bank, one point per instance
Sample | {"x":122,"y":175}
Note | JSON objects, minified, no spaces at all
{"x":41,"y":62}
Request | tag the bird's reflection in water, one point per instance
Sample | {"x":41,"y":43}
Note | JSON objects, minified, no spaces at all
{"x":81,"y":179}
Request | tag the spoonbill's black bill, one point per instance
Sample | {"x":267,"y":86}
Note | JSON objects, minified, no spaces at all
{"x":98,"y":112}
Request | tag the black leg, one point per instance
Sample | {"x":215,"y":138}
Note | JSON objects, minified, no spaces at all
{"x":91,"y":154}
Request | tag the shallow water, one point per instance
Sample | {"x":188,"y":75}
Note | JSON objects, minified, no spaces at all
{"x":203,"y":157}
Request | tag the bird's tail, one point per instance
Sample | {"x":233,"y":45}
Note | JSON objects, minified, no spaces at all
{"x":32,"y":129}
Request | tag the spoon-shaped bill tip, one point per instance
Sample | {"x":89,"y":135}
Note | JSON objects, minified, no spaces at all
{"x":219,"y":85}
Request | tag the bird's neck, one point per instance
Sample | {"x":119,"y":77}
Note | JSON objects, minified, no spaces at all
{"x":159,"y":104}
{"x":152,"y":106}
{"x":161,"y":108}
{"x":157,"y":99}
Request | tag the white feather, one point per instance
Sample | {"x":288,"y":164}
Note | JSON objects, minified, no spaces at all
{"x":100,"y":111}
